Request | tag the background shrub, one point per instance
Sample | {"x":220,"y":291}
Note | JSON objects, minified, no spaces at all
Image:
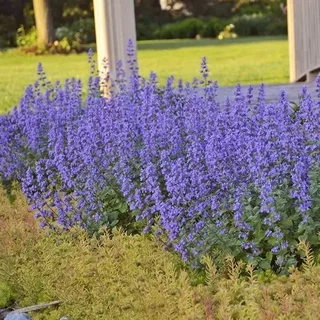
{"x":212,"y":28}
{"x":259,"y":25}
{"x":85,"y":29}
{"x":67,"y":41}
{"x":277,"y":26}
{"x":187,"y":28}
{"x":7,"y":31}
{"x":26,"y":40}
{"x":245,"y":26}
{"x":78,"y":17}
{"x":147,"y":30}
{"x":254,"y":25}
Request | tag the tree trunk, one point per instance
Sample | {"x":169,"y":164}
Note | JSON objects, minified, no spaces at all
{"x":44,"y":24}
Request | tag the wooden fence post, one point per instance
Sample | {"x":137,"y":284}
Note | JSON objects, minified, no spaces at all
{"x":114,"y":26}
{"x":304,"y":39}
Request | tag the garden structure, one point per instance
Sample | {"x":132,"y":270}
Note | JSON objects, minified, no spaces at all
{"x":115,"y":26}
{"x":304,"y":41}
{"x":304,"y":49}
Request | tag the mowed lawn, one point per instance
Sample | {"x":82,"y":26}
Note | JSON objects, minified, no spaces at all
{"x":244,"y":60}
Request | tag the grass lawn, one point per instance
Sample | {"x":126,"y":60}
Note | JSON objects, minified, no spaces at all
{"x":244,"y":60}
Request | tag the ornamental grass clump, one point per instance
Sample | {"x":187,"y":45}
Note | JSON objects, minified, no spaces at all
{"x":239,"y":178}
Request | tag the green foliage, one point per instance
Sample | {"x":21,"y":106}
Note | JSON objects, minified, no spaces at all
{"x":190,"y":28}
{"x":7,"y":31}
{"x":115,"y":213}
{"x":245,"y":26}
{"x":84,"y":28}
{"x":277,"y":26}
{"x":287,"y":255}
{"x":292,"y":227}
{"x":80,"y":31}
{"x":266,"y":276}
{"x":26,"y":40}
{"x":212,"y":28}
{"x":67,"y":42}
{"x":147,"y":31}
{"x":184,"y":29}
{"x":248,"y":25}
{"x":259,"y":25}
{"x":259,"y":6}
{"x":6,"y":295}
{"x":77,"y":15}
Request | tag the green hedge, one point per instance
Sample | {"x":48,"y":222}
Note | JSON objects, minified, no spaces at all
{"x":245,"y":25}
{"x":259,"y":25}
{"x":184,"y":29}
{"x":7,"y":31}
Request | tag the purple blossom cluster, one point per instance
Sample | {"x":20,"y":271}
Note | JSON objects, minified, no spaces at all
{"x":208,"y":174}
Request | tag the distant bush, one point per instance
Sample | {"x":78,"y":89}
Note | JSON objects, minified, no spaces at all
{"x":259,"y":25}
{"x":277,"y":26}
{"x":26,"y":40}
{"x":245,"y":25}
{"x":184,"y":29}
{"x":212,"y":27}
{"x":147,"y":31}
{"x":72,"y":36}
{"x":254,"y":25}
{"x":7,"y":31}
{"x":67,"y":41}
{"x":83,"y":29}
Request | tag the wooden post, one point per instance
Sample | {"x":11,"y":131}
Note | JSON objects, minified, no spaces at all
{"x":304,"y":39}
{"x":114,"y":26}
{"x":291,"y":38}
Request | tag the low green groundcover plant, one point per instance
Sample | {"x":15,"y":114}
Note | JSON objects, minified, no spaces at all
{"x":122,"y":276}
{"x":208,"y":178}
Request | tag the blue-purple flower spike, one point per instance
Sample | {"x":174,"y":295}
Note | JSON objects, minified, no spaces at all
{"x":240,"y":175}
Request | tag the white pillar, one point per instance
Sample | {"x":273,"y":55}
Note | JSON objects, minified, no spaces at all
{"x":304,"y":39}
{"x":114,"y":26}
{"x":292,"y":41}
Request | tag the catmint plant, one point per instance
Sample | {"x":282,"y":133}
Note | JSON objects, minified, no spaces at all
{"x":240,"y":177}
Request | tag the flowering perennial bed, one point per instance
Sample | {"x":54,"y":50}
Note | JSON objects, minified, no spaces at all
{"x":240,"y":177}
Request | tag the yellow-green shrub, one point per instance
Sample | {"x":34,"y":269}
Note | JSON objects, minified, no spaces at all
{"x":118,"y":277}
{"x":132,"y":277}
{"x":239,"y":293}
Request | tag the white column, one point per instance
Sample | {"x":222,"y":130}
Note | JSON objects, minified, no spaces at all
{"x":292,"y":39}
{"x":114,"y":26}
{"x":304,"y":39}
